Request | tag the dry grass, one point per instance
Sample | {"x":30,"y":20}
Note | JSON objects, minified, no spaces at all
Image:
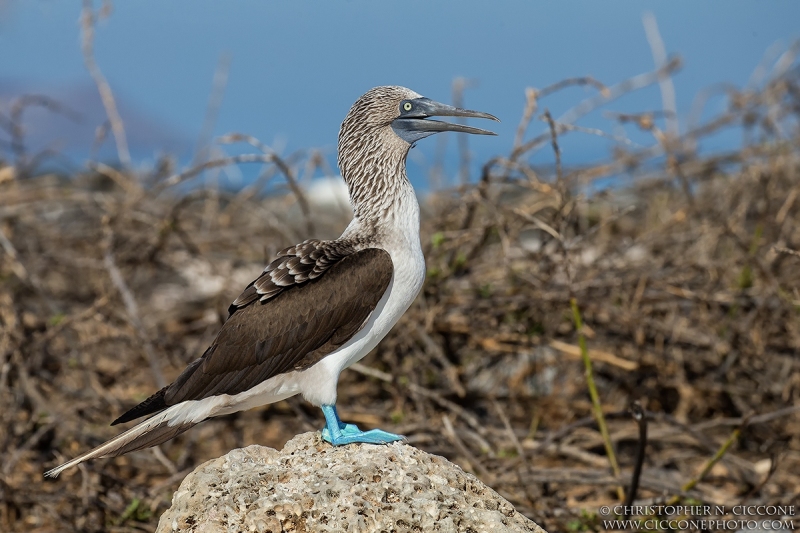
{"x":688,"y":283}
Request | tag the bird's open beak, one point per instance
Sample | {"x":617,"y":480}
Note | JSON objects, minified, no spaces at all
{"x":415,"y":124}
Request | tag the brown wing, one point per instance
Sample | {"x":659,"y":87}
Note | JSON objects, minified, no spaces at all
{"x":290,"y":329}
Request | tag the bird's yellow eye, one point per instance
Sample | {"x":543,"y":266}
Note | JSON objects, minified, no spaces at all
{"x":407,"y":106}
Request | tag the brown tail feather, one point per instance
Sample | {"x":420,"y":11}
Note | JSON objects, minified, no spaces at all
{"x":149,"y":433}
{"x":153,"y":404}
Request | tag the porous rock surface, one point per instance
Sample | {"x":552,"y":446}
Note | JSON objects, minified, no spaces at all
{"x":311,"y":486}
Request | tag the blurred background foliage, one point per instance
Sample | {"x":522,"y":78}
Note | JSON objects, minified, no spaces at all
{"x":673,"y":238}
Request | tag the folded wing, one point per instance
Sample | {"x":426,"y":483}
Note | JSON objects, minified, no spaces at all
{"x":306,"y":304}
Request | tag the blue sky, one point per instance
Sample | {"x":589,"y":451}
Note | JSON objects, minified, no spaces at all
{"x":296,"y":67}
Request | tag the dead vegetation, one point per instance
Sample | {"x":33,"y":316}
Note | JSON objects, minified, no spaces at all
{"x":687,"y":282}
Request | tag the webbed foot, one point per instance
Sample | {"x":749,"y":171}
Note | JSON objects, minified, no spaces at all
{"x":338,"y":433}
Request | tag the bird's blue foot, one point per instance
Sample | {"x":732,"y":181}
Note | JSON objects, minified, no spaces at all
{"x":337,"y":432}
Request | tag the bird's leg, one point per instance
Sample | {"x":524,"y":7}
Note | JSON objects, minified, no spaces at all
{"x":337,"y":432}
{"x":332,"y":420}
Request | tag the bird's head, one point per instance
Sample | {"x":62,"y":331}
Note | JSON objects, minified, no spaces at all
{"x":388,"y":120}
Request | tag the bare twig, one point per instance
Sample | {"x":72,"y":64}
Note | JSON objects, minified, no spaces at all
{"x":665,"y":78}
{"x":468,"y":417}
{"x":590,"y":104}
{"x":164,"y":460}
{"x":532,"y":97}
{"x":9,"y":463}
{"x":130,"y":305}
{"x":509,"y":430}
{"x":640,"y":416}
{"x":459,"y":85}
{"x":282,"y":166}
{"x":459,"y":444}
{"x":16,"y":265}
{"x":432,"y":348}
{"x":125,"y":182}
{"x":14,"y":126}
{"x":181,"y":177}
{"x":531,"y":104}
{"x":556,"y":149}
{"x":599,"y":133}
{"x":784,"y":250}
{"x":594,"y":355}
{"x":734,"y":436}
{"x":213,"y":107}
{"x":109,"y":103}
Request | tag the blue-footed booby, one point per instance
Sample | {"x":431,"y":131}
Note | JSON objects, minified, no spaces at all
{"x":320,"y":306}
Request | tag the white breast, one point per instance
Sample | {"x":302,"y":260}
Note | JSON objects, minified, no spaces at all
{"x":318,"y":383}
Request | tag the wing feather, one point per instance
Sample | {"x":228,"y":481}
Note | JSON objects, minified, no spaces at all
{"x":275,"y":328}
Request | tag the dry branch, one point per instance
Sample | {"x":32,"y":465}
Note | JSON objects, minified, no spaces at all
{"x":88,"y":20}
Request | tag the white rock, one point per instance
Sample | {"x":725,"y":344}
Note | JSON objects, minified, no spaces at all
{"x":311,"y":486}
